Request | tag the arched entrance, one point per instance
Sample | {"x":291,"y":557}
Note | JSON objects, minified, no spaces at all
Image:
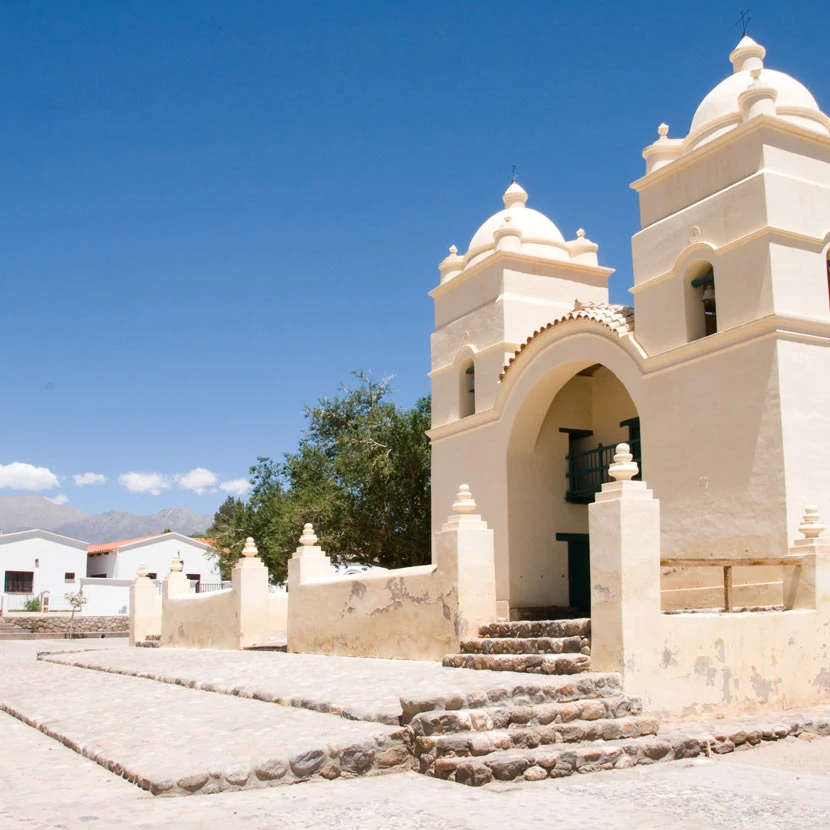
{"x":569,"y":417}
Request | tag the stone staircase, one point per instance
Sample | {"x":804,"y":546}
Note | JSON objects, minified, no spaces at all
{"x":532,"y":646}
{"x":533,"y":731}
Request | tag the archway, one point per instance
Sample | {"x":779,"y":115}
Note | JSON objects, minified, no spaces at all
{"x":567,"y":416}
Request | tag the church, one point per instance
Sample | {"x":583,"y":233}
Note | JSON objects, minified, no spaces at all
{"x":635,"y":491}
{"x":713,"y":376}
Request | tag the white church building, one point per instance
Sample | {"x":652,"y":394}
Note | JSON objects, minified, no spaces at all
{"x":717,"y":376}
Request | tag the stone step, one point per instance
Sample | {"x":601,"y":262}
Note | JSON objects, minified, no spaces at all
{"x":527,"y":645}
{"x":537,"y":628}
{"x":528,"y":663}
{"x":560,"y":760}
{"x":516,"y":691}
{"x":468,"y":744}
{"x":510,"y":714}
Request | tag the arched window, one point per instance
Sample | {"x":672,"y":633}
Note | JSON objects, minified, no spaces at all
{"x":708,"y":312}
{"x":467,"y":389}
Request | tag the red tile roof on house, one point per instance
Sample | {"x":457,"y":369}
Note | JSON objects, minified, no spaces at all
{"x":108,"y":547}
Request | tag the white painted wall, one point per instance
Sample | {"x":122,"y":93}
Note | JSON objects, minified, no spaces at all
{"x":48,"y":556}
{"x":106,"y":597}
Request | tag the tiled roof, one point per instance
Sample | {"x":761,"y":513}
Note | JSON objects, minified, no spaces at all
{"x":618,"y":318}
{"x":107,"y":547}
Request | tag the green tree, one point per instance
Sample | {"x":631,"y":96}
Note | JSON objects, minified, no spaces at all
{"x":360,"y":475}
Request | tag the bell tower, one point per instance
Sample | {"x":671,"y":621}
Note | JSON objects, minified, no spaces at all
{"x":735,"y":216}
{"x":518,"y":275}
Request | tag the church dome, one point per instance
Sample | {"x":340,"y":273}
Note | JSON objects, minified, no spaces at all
{"x":720,"y":110}
{"x":537,"y":234}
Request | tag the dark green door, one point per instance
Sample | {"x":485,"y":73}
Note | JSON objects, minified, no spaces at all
{"x":579,"y":570}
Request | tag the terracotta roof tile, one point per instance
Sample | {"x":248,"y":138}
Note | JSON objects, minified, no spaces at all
{"x":107,"y":547}
{"x":618,"y":318}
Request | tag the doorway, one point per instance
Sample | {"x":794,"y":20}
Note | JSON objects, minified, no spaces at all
{"x":579,"y":570}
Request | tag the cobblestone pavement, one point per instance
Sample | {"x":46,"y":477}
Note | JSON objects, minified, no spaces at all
{"x":784,"y":786}
{"x":170,"y":739}
{"x":780,"y":786}
{"x":361,"y":688}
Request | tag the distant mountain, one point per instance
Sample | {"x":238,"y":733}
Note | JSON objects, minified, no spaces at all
{"x":30,"y":512}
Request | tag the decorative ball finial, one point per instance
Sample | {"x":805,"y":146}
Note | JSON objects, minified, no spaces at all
{"x":624,"y":467}
{"x":142,"y":572}
{"x":464,"y":501}
{"x":580,"y":233}
{"x":453,"y":250}
{"x":663,"y":130}
{"x":811,"y":525}
{"x":250,"y":548}
{"x":176,"y":564}
{"x":309,"y":537}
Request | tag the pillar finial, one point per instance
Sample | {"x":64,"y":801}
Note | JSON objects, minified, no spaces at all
{"x":464,"y":501}
{"x":811,"y":526}
{"x":624,"y":467}
{"x":176,"y":564}
{"x":142,"y":572}
{"x":309,"y":537}
{"x":250,"y":547}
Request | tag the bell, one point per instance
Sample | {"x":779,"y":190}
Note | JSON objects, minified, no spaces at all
{"x":708,"y":293}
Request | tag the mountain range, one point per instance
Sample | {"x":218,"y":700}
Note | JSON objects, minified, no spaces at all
{"x":36,"y":512}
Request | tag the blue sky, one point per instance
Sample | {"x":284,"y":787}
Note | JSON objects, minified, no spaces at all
{"x":211,"y":212}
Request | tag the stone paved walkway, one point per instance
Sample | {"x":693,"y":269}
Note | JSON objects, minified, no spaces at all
{"x":175,"y":740}
{"x":359,"y":688}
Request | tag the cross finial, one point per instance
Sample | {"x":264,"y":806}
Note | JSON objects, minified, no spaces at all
{"x":743,"y":21}
{"x":514,"y":174}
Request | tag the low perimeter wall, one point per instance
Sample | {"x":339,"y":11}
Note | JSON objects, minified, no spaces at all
{"x":44,"y":623}
{"x":243,"y":615}
{"x":416,"y":613}
{"x":688,"y":664}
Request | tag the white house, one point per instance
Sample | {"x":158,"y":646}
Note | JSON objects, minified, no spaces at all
{"x":33,"y":561}
{"x":120,"y":560}
{"x":111,"y":567}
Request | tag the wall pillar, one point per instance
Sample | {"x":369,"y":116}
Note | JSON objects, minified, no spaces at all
{"x":145,"y":608}
{"x":176,"y":584}
{"x":309,"y":563}
{"x":624,"y":525}
{"x":249,"y":581}
{"x":807,"y":587}
{"x":464,"y":555}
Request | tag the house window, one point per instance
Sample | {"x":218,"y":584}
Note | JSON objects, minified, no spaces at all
{"x":467,"y":389}
{"x":705,"y":284}
{"x":195,"y":581}
{"x":69,"y":576}
{"x":19,"y":582}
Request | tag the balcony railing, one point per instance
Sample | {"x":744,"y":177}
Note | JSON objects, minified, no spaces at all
{"x":588,"y":471}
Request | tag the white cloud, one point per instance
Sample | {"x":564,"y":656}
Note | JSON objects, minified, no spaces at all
{"x":59,"y":499}
{"x":236,"y":487}
{"x":20,"y":476}
{"x":198,"y":479}
{"x":152,"y":483}
{"x":83,"y":479}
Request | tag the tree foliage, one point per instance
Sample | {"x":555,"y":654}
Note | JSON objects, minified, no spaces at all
{"x":361,"y":475}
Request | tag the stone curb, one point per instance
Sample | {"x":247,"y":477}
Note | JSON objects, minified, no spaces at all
{"x":384,"y":754}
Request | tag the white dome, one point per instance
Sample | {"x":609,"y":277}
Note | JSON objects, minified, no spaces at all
{"x":720,"y":111}
{"x":539,"y":236}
